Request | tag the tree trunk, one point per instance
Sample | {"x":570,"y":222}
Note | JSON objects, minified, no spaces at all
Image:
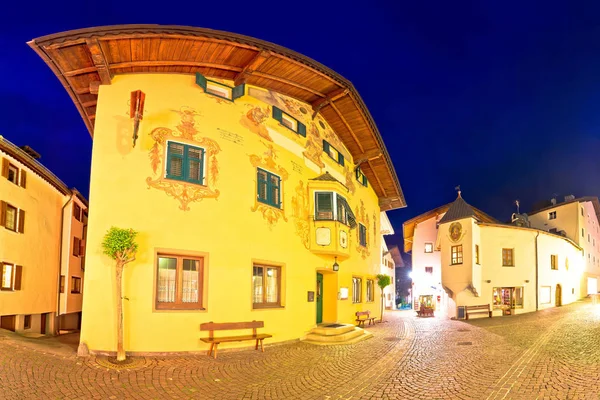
{"x":382,"y":299}
{"x":120,"y":351}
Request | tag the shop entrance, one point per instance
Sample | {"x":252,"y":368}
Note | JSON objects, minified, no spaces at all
{"x":507,"y":299}
{"x":427,"y":301}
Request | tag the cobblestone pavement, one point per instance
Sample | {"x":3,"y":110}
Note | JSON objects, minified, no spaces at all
{"x":552,"y":354}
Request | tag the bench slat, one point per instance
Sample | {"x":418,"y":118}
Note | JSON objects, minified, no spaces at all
{"x":227,"y":326}
{"x":236,"y":338}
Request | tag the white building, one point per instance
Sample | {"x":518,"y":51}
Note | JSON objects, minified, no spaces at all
{"x":388,"y":266}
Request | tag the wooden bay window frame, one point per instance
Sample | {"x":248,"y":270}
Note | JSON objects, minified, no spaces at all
{"x":178,"y":303}
{"x":264,"y":268}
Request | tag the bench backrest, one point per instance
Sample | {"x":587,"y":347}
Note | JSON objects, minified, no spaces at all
{"x":481,"y":307}
{"x":230,"y":326}
{"x":361,"y":313}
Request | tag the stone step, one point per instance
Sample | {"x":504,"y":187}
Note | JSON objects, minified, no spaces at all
{"x":363,"y":336}
{"x":326,"y":331}
{"x":342,"y":337}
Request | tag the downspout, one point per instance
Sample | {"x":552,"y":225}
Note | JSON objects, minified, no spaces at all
{"x":60,"y":259}
{"x":536,"y":272}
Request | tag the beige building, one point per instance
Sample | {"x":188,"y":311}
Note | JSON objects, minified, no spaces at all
{"x":463,"y":257}
{"x":388,"y":266}
{"x":42,"y":236}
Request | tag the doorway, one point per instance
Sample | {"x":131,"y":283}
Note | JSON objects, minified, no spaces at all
{"x":8,"y":322}
{"x":319,"y":298}
{"x":558,"y":301}
{"x":43,"y":324}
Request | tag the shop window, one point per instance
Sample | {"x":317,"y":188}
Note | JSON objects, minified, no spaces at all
{"x":75,"y":285}
{"x":457,"y":254}
{"x":428,"y":247}
{"x":361,"y":178}
{"x":185,"y":163}
{"x":333,"y":153}
{"x":332,"y":206}
{"x":179,"y":282}
{"x":289,"y":122}
{"x":553,"y":261}
{"x":356,"y":290}
{"x":426,"y":301}
{"x":27,"y":322}
{"x":507,"y":258}
{"x":370,"y":290}
{"x":552,"y":215}
{"x":219,"y":89}
{"x":266,"y":286}
{"x":11,"y":277}
{"x":268,"y":188}
{"x":429,"y":270}
{"x":362,"y":235}
{"x":507,"y":297}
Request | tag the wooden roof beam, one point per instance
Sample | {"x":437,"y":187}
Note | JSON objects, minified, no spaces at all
{"x":99,"y":60}
{"x":174,"y":63}
{"x":377,"y":179}
{"x":287,"y":82}
{"x":252,"y":66}
{"x":368,"y":156}
{"x":337,"y":111}
{"x":329,"y":97}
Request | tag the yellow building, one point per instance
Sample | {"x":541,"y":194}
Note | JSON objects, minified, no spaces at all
{"x":42,"y":234}
{"x":255,"y":171}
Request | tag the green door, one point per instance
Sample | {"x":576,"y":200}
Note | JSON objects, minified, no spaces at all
{"x":319,"y":298}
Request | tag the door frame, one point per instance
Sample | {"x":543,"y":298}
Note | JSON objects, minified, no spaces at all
{"x":319,"y":298}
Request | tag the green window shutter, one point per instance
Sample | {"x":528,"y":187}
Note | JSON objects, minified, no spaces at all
{"x":340,"y":158}
{"x":277,"y":114}
{"x":325,"y":146}
{"x":358,"y":173}
{"x":261,"y":189}
{"x":201,"y":80}
{"x":194,"y":164}
{"x":301,"y":129}
{"x":324,"y":206}
{"x":238,"y":91}
{"x":175,"y":161}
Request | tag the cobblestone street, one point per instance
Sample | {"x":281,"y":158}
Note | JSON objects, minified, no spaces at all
{"x":552,"y":354}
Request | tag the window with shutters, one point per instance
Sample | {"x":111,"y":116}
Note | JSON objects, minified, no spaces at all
{"x":362,"y":235}
{"x":75,"y":285}
{"x":185,"y":163}
{"x":219,"y":89}
{"x":76,"y":246}
{"x":11,"y":276}
{"x":180,"y":282}
{"x":361,"y":178}
{"x":268,"y":188}
{"x":77,"y":212}
{"x":333,"y":152}
{"x":288,"y":121}
{"x":13,"y":174}
{"x":266,"y":286}
{"x":11,"y":217}
{"x":330,"y":206}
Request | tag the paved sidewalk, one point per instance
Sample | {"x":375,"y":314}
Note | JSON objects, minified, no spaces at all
{"x":552,"y":354}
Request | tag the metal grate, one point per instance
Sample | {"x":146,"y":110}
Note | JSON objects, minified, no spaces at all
{"x":464,"y":343}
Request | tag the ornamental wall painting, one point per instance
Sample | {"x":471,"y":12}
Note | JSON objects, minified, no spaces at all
{"x":267,"y":162}
{"x":300,"y":211}
{"x":363,"y":217}
{"x":187,"y":133}
{"x":254,"y":120}
{"x":349,"y":179}
{"x":314,"y":146}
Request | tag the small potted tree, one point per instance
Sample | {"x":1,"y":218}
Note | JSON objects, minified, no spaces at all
{"x":119,"y":244}
{"x":383,"y":281}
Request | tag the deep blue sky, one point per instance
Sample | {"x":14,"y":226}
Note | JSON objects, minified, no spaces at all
{"x":501,"y":98}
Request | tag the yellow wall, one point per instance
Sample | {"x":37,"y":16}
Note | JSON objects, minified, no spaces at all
{"x":37,"y":249}
{"x":226,"y":228}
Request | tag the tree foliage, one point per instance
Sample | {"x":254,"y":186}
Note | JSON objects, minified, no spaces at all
{"x":119,"y":244}
{"x":383,"y":281}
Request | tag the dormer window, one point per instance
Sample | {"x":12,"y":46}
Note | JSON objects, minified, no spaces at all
{"x":333,"y":153}
{"x":361,"y":178}
{"x":219,"y":89}
{"x":552,"y":215}
{"x":288,"y":121}
{"x":332,"y":206}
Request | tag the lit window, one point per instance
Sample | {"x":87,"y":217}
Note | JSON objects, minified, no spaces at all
{"x":428,"y":247}
{"x":507,"y":297}
{"x":370,"y":290}
{"x":429,"y":270}
{"x":332,"y":206}
{"x":268,"y":188}
{"x":288,"y":121}
{"x":457,"y":254}
{"x":180,"y":282}
{"x":13,"y":174}
{"x":75,"y":285}
{"x":333,"y":152}
{"x":553,"y":261}
{"x":218,"y":89}
{"x":11,"y":276}
{"x":185,"y":163}
{"x":507,"y":258}
{"x":266,"y":286}
{"x":356,"y":290}
{"x":552,"y":215}
{"x":11,"y":218}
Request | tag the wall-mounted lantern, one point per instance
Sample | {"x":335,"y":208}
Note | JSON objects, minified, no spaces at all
{"x":136,"y":111}
{"x":336,"y":266}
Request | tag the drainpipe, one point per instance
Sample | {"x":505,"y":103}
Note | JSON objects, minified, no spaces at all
{"x":536,"y":272}
{"x":60,"y":258}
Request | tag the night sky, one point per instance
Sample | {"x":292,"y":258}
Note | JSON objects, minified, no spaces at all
{"x":501,"y":99}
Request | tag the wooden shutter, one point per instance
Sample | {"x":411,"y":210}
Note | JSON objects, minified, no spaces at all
{"x":238,"y":91}
{"x":201,"y":80}
{"x":277,"y":114}
{"x":75,"y":246}
{"x":5,"y":168}
{"x":326,"y":146}
{"x":2,"y":213}
{"x":21,"y":222}
{"x":23,"y":182}
{"x":301,"y":129}
{"x":340,"y":158}
{"x":82,"y":247}
{"x":18,"y":274}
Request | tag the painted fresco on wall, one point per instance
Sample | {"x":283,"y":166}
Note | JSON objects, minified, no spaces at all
{"x":363,"y":217}
{"x":254,"y":120}
{"x":374,"y":225}
{"x":314,"y":146}
{"x":349,"y":179}
{"x":185,"y":132}
{"x":300,"y":210}
{"x":267,"y":162}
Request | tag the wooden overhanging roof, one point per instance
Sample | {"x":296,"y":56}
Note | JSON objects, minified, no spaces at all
{"x":86,"y":58}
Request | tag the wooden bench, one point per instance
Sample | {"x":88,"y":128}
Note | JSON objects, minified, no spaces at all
{"x":425,"y":312}
{"x":363,"y":316}
{"x":484,"y":308}
{"x":230,"y":326}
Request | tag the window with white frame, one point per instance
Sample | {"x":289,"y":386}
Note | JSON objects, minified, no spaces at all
{"x":356,"y":289}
